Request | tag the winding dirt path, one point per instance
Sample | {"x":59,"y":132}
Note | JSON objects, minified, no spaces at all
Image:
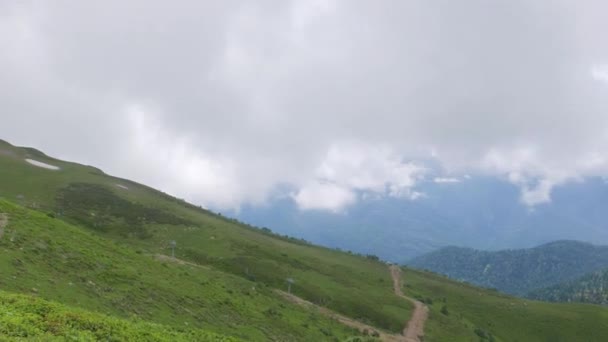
{"x":414,"y":330}
{"x":341,"y":318}
{"x":385,"y":337}
{"x":3,"y":223}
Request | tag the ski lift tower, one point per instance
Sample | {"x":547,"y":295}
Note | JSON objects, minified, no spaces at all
{"x":172,"y":244}
{"x":289,"y":282}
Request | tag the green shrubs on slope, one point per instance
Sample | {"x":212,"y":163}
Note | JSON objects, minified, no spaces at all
{"x":97,"y":207}
{"x":28,"y":318}
{"x":61,"y":262}
{"x":323,"y":276}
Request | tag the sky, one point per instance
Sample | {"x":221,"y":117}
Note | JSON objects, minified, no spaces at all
{"x":224,"y":102}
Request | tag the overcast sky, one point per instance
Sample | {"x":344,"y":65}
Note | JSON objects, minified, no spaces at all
{"x":221,"y":102}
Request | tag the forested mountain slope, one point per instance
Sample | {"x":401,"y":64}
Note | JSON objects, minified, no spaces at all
{"x":517,"y":271}
{"x":590,"y":288}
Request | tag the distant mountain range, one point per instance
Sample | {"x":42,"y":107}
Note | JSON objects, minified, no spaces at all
{"x":478,"y":212}
{"x":521,"y":271}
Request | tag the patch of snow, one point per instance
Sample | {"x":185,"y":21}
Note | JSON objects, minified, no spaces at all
{"x":42,"y":165}
{"x":122,"y":186}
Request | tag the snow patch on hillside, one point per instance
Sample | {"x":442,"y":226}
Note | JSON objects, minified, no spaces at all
{"x":42,"y":165}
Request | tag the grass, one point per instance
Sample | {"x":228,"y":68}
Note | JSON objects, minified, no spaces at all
{"x":473,"y":311}
{"x":28,"y":318}
{"x":55,"y":260}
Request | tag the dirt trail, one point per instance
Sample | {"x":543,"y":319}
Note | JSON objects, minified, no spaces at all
{"x":3,"y":223}
{"x":412,"y":333}
{"x":414,"y":330}
{"x":341,"y":318}
{"x":162,"y":257}
{"x":302,"y":302}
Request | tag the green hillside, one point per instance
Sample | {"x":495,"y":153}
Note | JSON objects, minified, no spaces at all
{"x":231,"y":258}
{"x":94,"y":242}
{"x":33,"y":319}
{"x":461,"y":312}
{"x":517,"y":271}
{"x":52,"y":259}
{"x":591,"y":288}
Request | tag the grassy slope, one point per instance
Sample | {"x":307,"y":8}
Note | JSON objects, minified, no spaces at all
{"x":55,"y":260}
{"x":504,"y":317}
{"x":28,"y":318}
{"x":352,"y":285}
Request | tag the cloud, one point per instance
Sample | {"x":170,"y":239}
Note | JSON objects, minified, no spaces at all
{"x":220,"y":103}
{"x":600,"y":72}
{"x":324,"y":196}
{"x":350,"y":166}
{"x":157,"y":152}
{"x":366,"y":167}
{"x":443,"y":180}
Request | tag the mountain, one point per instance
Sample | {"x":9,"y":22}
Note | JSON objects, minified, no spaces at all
{"x":101,"y":243}
{"x":83,"y":252}
{"x":590,"y":288}
{"x":478,"y":211}
{"x":517,"y":271}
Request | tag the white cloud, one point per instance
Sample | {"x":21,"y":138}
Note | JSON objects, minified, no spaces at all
{"x":446,"y":180}
{"x":537,"y":174}
{"x":352,"y":166}
{"x":324,"y":196}
{"x":371,"y":167}
{"x":214,"y":179}
{"x":538,"y":194}
{"x":600,"y":72}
